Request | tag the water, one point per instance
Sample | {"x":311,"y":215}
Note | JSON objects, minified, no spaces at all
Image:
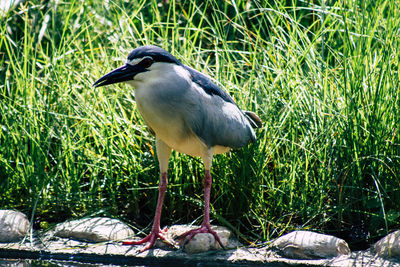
{"x":63,"y":263}
{"x":49,"y":263}
{"x":22,"y":258}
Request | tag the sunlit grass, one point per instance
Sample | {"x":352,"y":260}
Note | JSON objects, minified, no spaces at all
{"x":323,"y":78}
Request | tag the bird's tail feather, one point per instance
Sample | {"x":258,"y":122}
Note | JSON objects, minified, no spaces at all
{"x":254,"y":120}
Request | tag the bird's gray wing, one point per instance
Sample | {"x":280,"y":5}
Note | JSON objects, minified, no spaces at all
{"x":212,"y":89}
{"x":217,"y":121}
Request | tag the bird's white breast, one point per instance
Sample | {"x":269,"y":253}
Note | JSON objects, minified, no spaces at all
{"x":163,"y":98}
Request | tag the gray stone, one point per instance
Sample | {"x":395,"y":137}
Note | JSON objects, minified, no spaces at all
{"x":200,"y":243}
{"x":97,"y":229}
{"x":388,"y":246}
{"x":310,"y":245}
{"x":14,"y":225}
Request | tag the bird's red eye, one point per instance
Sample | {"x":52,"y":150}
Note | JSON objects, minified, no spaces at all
{"x":146,"y":62}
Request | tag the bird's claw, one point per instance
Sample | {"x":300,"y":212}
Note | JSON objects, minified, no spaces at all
{"x":150,"y":239}
{"x":204,"y":228}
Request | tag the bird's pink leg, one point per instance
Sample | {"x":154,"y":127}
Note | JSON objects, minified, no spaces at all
{"x":205,"y":225}
{"x":156,"y":231}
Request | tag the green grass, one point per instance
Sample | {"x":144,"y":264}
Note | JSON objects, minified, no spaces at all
{"x":323,"y":76}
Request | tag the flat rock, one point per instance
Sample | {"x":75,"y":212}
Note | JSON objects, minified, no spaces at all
{"x":14,"y":225}
{"x":388,"y":246}
{"x":310,"y":245}
{"x":201,"y":242}
{"x":97,"y":229}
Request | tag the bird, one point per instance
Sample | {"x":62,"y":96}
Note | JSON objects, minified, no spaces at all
{"x":188,"y":113}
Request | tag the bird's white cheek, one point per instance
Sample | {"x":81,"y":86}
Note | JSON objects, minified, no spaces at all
{"x":132,"y":83}
{"x":141,"y":77}
{"x":138,"y":81}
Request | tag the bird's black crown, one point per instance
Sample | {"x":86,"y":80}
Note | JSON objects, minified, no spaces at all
{"x":157,"y":53}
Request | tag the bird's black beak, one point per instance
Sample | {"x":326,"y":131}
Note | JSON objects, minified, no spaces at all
{"x":121,"y":74}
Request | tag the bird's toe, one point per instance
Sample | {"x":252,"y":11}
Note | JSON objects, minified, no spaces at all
{"x":151,"y":240}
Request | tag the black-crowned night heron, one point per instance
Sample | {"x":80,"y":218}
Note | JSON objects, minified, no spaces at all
{"x":188,"y":113}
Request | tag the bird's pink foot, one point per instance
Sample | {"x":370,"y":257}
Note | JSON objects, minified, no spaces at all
{"x":151,"y":239}
{"x":204,"y":228}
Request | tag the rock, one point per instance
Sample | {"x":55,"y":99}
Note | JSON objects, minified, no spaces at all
{"x":310,"y":245}
{"x":14,"y":225}
{"x":97,"y":229}
{"x":201,"y":242}
{"x":388,"y":246}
